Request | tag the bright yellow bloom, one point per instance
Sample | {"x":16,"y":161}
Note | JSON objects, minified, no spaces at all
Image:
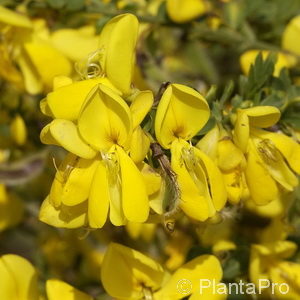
{"x":184,"y":11}
{"x":102,"y":178}
{"x":268,"y":261}
{"x":248,"y":58}
{"x":18,"y":279}
{"x":57,"y":289}
{"x":181,"y":113}
{"x":290,"y":36}
{"x":117,"y":43}
{"x":271,"y":157}
{"x":75,"y":44}
{"x":18,"y":130}
{"x":129,"y":274}
{"x":12,"y":209}
{"x":27,"y":44}
{"x":19,"y":282}
{"x":218,"y":144}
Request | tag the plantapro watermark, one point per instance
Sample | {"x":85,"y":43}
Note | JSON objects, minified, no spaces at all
{"x":185,"y":286}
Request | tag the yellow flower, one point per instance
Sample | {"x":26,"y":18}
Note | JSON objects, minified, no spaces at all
{"x":177,"y":249}
{"x":19,"y":282}
{"x":187,"y":10}
{"x":129,"y":274}
{"x":117,"y":42}
{"x":268,"y":262}
{"x":290,"y":36}
{"x":27,"y":43}
{"x":99,"y":176}
{"x":57,"y":289}
{"x":18,"y":279}
{"x":271,"y":157}
{"x":248,"y":58}
{"x":218,"y":144}
{"x":12,"y":209}
{"x":139,"y":230}
{"x":181,"y":113}
{"x":18,"y":130}
{"x":75,"y":44}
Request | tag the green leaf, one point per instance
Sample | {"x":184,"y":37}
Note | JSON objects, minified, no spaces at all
{"x":57,"y":4}
{"x":259,"y":74}
{"x":75,"y":5}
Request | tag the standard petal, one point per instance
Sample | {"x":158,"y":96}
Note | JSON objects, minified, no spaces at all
{"x":105,"y":120}
{"x":181,"y":113}
{"x":124,"y":272}
{"x":66,"y":102}
{"x":202,"y":267}
{"x":118,"y":40}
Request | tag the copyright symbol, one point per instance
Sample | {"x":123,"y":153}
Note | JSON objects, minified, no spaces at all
{"x":184,"y":286}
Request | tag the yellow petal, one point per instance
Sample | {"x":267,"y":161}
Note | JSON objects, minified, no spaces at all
{"x":48,"y":62}
{"x":289,"y":148}
{"x":208,"y":143}
{"x":275,"y":163}
{"x":66,"y":134}
{"x":99,"y":198}
{"x":185,"y":11}
{"x":134,"y":193}
{"x":241,"y":131}
{"x":32,"y":81}
{"x":60,"y":81}
{"x":118,"y":40}
{"x":258,"y":116}
{"x":262,"y":187}
{"x":262,"y":116}
{"x":105,"y":120}
{"x":78,"y":179}
{"x":215,"y":179}
{"x":151,"y":178}
{"x":139,"y":146}
{"x":248,"y":58}
{"x":290,"y":36}
{"x":202,"y":267}
{"x":181,"y":113}
{"x":140,"y":106}
{"x":75,"y":44}
{"x":18,"y":130}
{"x":12,"y":209}
{"x":10,"y":17}
{"x":18,"y":279}
{"x":66,"y":102}
{"x":229,"y":156}
{"x":64,"y":216}
{"x":58,"y":289}
{"x":194,"y":198}
{"x":125,"y":271}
